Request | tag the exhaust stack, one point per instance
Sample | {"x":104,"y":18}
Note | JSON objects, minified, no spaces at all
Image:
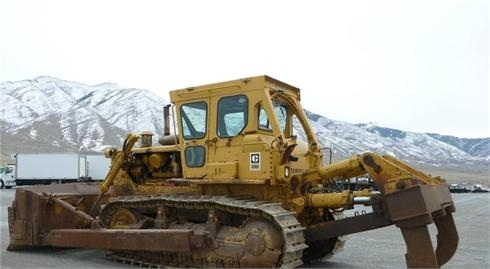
{"x":166,"y":120}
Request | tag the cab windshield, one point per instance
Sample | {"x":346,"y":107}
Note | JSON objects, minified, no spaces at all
{"x":193,"y":118}
{"x":288,"y":120}
{"x":281,"y":112}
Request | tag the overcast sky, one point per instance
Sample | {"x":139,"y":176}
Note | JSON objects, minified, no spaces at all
{"x":414,"y":65}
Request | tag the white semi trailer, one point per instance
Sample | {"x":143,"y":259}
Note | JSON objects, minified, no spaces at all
{"x":97,"y":166}
{"x":45,"y":168}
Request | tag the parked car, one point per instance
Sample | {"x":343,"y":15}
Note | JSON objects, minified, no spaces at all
{"x":478,"y":188}
{"x":456,"y":188}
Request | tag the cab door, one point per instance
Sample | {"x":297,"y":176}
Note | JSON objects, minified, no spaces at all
{"x":230,"y":118}
{"x":194,"y":124}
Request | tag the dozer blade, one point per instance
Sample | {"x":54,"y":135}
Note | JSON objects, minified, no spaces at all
{"x":37,"y":210}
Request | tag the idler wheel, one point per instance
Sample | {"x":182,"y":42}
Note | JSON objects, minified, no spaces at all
{"x":125,"y":218}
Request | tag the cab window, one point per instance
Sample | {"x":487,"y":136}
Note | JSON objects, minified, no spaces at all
{"x":195,"y":156}
{"x":281,"y":112}
{"x":193,"y":117}
{"x":232,"y":115}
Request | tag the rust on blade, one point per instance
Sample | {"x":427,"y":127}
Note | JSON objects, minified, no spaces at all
{"x":39,"y":209}
{"x":122,"y":239}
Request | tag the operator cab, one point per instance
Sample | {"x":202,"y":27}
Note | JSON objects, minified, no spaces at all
{"x":243,"y":130}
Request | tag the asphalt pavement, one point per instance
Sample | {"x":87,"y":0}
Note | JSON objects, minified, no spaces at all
{"x":382,"y":248}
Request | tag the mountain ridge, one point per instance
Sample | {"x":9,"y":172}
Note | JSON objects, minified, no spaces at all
{"x":58,"y":115}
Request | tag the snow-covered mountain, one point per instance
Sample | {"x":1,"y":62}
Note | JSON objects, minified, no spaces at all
{"x":347,"y":139}
{"x":49,"y":114}
{"x":476,"y":147}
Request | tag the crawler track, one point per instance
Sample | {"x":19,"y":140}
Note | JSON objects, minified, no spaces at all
{"x":284,"y":221}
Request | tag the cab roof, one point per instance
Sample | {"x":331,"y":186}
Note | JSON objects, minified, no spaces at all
{"x":239,"y":85}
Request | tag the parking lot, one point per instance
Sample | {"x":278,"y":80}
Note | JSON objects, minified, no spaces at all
{"x":382,"y":248}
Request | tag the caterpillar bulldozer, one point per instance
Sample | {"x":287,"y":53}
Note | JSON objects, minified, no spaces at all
{"x":231,"y":184}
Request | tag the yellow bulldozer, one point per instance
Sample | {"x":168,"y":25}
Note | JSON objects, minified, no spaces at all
{"x":230,"y":184}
